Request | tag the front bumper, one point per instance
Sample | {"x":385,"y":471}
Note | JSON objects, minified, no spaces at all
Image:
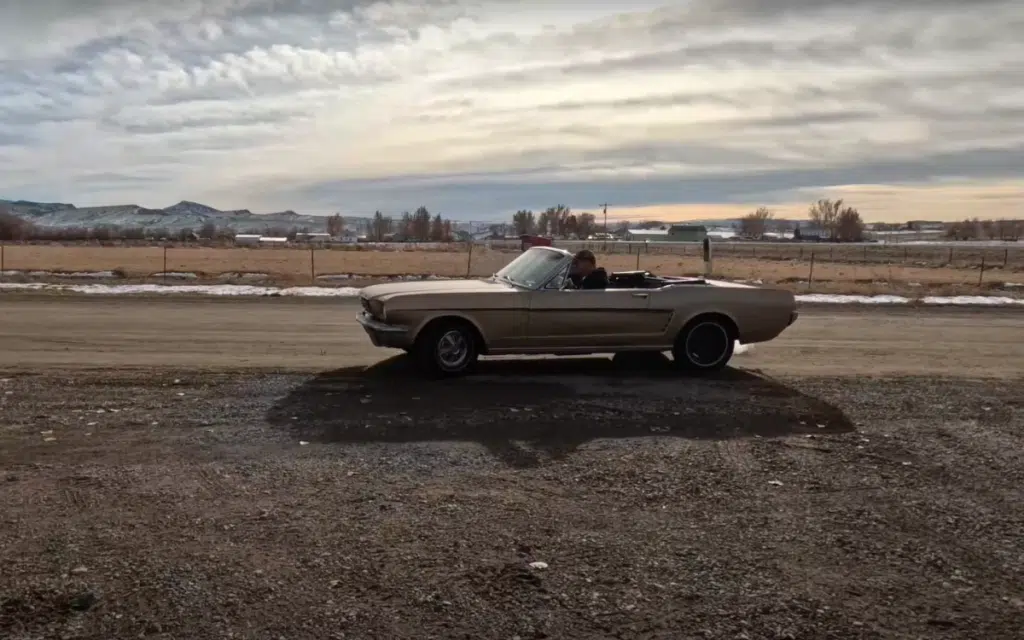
{"x":383,"y":334}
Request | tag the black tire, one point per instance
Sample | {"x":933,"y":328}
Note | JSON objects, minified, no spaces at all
{"x":457,"y":338}
{"x":705,"y":345}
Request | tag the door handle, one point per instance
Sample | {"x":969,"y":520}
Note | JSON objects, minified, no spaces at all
{"x":639,"y":295}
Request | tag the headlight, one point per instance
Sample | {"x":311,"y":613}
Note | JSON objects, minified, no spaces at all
{"x":377,"y":309}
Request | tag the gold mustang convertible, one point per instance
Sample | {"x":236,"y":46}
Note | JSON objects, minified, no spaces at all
{"x":531,"y":308}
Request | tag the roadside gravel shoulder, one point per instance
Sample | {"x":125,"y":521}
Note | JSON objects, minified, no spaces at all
{"x":573,"y":501}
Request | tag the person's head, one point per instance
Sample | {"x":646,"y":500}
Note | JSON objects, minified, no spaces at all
{"x":584,"y":262}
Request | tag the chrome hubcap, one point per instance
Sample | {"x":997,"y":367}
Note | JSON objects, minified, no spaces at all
{"x":452,"y":349}
{"x":707,"y":344}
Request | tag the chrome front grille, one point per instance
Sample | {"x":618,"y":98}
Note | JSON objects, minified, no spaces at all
{"x":366,"y":305}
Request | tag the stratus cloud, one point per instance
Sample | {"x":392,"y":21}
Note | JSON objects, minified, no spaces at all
{"x":326,"y":104}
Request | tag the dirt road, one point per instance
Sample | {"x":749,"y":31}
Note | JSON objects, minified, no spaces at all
{"x":309,"y":334}
{"x":230,"y":468}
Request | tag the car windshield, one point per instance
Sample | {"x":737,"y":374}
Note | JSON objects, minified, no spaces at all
{"x":532,"y":268}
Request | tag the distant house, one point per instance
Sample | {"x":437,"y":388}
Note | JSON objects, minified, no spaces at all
{"x":674,"y":233}
{"x":270,"y":240}
{"x":312,"y":237}
{"x":247,"y":239}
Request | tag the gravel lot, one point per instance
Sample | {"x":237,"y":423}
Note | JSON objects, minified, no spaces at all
{"x":575,"y":498}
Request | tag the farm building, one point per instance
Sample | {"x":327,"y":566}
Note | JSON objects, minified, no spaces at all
{"x":247,"y":239}
{"x":312,"y":237}
{"x":675,"y":233}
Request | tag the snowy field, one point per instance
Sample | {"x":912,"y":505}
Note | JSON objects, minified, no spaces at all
{"x":348,"y":292}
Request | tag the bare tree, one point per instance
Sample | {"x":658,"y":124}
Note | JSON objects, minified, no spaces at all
{"x":524,"y":222}
{"x":824,"y":214}
{"x":381,"y":226}
{"x":755,"y":224}
{"x":335,"y":225}
{"x":849,"y":226}
{"x":12,"y":227}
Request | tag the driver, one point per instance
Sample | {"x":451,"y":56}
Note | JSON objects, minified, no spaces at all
{"x":585,"y":274}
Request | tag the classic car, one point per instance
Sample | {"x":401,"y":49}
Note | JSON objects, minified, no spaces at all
{"x":530,"y":307}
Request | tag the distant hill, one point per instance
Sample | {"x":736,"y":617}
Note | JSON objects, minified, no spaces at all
{"x":184,"y":215}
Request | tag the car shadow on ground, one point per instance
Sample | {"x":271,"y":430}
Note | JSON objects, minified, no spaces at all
{"x":523,"y":410}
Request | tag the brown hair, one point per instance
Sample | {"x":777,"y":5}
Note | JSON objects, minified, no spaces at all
{"x":585,"y":255}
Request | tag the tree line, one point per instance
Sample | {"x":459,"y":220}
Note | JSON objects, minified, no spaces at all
{"x":974,"y":229}
{"x":836,"y":221}
{"x":419,"y":226}
{"x":553,"y":221}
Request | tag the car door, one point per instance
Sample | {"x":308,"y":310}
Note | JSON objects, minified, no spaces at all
{"x":578,"y":319}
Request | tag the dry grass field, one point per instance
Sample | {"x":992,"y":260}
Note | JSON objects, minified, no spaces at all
{"x":839,"y":269}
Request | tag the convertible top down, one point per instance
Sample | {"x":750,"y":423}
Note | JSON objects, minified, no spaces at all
{"x":529,"y":308}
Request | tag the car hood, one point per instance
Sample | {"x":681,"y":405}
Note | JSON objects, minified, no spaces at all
{"x":434,"y":287}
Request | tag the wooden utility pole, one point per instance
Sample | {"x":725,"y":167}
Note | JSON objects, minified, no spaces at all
{"x":605,"y":207}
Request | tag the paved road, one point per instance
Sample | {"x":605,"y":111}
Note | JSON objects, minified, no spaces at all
{"x":315,"y":335}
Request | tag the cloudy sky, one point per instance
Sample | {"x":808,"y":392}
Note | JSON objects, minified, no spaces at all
{"x":693,"y":108}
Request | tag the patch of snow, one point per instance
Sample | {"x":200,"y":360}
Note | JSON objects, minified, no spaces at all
{"x":348,"y":292}
{"x":742,"y":348}
{"x":200,"y":289}
{"x":973,"y":300}
{"x":829,"y":298}
{"x":335,"y":276}
{"x":88,"y":274}
{"x":61,"y":274}
{"x":1011,"y":285}
{"x":177,"y":275}
{"x":244,"y":276}
{"x":824,"y":298}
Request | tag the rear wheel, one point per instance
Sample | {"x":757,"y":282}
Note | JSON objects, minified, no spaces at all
{"x":705,"y":344}
{"x":446,"y":348}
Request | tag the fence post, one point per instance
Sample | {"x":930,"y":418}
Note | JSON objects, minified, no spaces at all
{"x":638,"y":260}
{"x":949,"y":260}
{"x":2,"y":269}
{"x":1006,"y":256}
{"x":981,"y":273}
{"x":810,"y":276}
{"x":312,"y":265}
{"x":163,"y":272}
{"x":469,"y":260}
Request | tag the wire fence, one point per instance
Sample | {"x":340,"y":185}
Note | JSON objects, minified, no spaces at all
{"x":771,"y":262}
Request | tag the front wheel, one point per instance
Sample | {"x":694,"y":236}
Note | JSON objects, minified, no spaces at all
{"x":446,"y":349}
{"x":705,"y":345}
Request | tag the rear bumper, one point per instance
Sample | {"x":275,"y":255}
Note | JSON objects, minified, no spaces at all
{"x":383,"y":334}
{"x":792,"y":318}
